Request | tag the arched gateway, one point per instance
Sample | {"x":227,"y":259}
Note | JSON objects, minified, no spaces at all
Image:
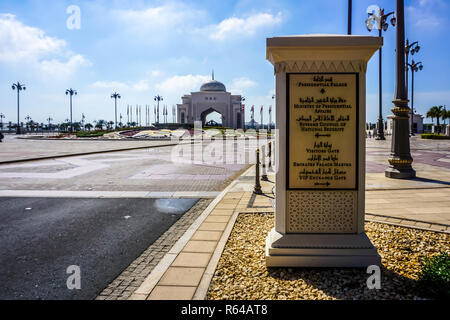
{"x":212,"y":97}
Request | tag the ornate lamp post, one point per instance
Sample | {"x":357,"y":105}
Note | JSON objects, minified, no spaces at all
{"x":19,"y":87}
{"x":28,"y":121}
{"x":414,"y":67}
{"x":349,"y":18}
{"x":413,"y":48}
{"x":381,"y":24}
{"x":270,"y":111}
{"x":262,"y":119}
{"x":158,"y":98}
{"x":49,"y":120}
{"x":71,"y":93}
{"x":2,"y":116}
{"x":242,"y":124}
{"x":400,"y":160}
{"x":115,"y":96}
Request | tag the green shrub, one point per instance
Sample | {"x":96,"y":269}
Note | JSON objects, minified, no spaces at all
{"x":87,"y":134}
{"x":434,"y":280}
{"x":433,"y":136}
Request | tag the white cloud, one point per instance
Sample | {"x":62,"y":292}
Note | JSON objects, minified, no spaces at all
{"x":24,"y":45}
{"x":238,"y":85}
{"x":141,"y":85}
{"x":180,"y":85}
{"x":431,"y":2}
{"x":56,"y":68}
{"x":181,"y":19}
{"x":232,"y":27}
{"x":169,"y":17}
{"x":156,"y":73}
{"x":19,"y":42}
{"x":109,"y":85}
{"x":243,"y":83}
{"x":427,"y":14}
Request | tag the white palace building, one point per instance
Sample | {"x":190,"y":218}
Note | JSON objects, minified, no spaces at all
{"x":212,"y":97}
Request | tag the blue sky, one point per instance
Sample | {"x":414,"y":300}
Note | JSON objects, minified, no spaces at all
{"x":143,"y":48}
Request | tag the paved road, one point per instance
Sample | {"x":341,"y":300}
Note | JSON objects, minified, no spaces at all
{"x":41,"y":237}
{"x":72,"y":223}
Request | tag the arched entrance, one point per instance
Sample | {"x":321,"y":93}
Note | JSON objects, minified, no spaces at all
{"x":211,"y":117}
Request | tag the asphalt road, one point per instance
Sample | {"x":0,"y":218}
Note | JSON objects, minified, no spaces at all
{"x":41,"y":237}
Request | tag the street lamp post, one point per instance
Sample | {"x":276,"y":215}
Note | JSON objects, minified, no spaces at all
{"x":414,"y":67}
{"x":49,"y":119}
{"x":270,"y":111}
{"x":27,"y":123}
{"x":400,"y":159}
{"x":349,"y":18}
{"x":381,"y":25}
{"x":413,"y":48}
{"x":2,"y":116}
{"x":158,"y":98}
{"x":115,"y":96}
{"x":71,"y":93}
{"x":242,"y":124}
{"x":19,"y":87}
{"x":262,"y":119}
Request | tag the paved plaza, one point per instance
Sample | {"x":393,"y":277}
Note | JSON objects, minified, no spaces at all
{"x":425,"y":198}
{"x":178,"y":262}
{"x":423,"y":203}
{"x":148,"y":172}
{"x":15,"y":147}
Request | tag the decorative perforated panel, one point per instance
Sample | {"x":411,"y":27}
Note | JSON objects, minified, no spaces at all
{"x":322,"y":211}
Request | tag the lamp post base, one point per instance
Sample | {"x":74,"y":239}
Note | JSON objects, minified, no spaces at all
{"x":380,"y":130}
{"x":400,"y":173}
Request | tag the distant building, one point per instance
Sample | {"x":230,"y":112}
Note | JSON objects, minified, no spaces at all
{"x":417,"y":123}
{"x":212,"y":97}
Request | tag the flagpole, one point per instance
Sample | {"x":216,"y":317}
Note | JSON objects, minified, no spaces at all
{"x":262,"y":120}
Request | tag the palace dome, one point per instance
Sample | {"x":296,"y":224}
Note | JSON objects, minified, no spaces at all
{"x":213,"y":85}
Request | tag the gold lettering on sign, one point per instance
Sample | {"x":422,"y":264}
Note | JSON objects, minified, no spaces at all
{"x":322,"y":131}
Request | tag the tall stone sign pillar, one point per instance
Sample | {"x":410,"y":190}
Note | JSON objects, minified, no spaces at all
{"x":320,"y":183}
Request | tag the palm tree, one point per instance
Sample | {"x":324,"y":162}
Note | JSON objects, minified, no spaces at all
{"x":445,"y":115}
{"x":71,"y":92}
{"x":76,"y":126}
{"x":435,"y":112}
{"x":63,"y":126}
{"x":115,"y":96}
{"x":100,"y":124}
{"x":88,"y":126}
{"x":110,"y":125}
{"x":19,"y":87}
